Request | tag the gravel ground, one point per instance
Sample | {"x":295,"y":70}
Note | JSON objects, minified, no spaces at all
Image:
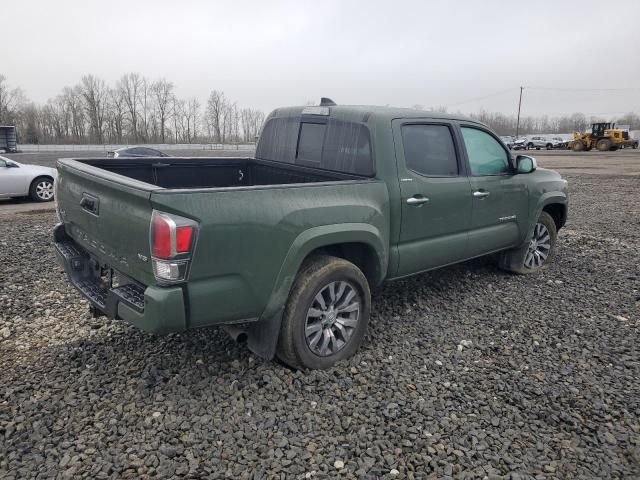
{"x":466,"y":373}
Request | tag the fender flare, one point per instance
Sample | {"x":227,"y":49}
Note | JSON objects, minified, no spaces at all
{"x":324,"y":236}
{"x":546,"y":199}
{"x":516,"y":257}
{"x":262,"y":336}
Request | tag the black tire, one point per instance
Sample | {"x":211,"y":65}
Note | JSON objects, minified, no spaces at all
{"x":315,"y":275}
{"x":549,"y":146}
{"x":41,"y":189}
{"x":635,"y":145}
{"x":578,"y":146}
{"x":603,"y":145}
{"x":529,"y":145}
{"x":507,"y":260}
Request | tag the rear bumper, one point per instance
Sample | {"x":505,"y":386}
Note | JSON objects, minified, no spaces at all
{"x":151,"y":308}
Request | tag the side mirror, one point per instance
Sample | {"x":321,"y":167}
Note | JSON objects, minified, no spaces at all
{"x":526,"y":164}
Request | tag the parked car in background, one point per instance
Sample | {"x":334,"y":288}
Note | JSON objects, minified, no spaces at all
{"x":559,"y":143}
{"x":539,"y":142}
{"x":519,"y":143}
{"x":507,"y":140}
{"x":136,"y":152}
{"x":19,"y":180}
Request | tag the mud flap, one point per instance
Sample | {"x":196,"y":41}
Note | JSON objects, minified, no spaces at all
{"x":513,"y":259}
{"x":262,"y":336}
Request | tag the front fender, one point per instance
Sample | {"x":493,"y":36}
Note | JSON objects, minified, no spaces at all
{"x":545,"y":199}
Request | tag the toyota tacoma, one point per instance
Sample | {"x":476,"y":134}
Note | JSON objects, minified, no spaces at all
{"x":283,"y":248}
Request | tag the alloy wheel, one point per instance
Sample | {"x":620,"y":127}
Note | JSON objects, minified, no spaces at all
{"x":539,"y":247}
{"x":44,"y":190}
{"x":332,"y":318}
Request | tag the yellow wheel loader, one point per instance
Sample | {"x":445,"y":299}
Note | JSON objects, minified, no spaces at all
{"x":603,"y":136}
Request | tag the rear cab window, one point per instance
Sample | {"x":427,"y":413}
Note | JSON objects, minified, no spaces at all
{"x":324,"y":143}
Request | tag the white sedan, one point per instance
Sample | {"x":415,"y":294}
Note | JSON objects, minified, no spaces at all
{"x":34,"y":181}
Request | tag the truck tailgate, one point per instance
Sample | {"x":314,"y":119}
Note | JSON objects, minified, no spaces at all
{"x":108,"y":215}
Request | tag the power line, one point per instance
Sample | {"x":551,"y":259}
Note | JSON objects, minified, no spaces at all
{"x":571,"y":89}
{"x":484,"y":97}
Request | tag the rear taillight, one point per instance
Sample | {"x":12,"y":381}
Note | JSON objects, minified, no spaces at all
{"x":172,"y":241}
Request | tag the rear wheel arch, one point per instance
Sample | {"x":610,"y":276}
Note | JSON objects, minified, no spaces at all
{"x":361,"y":254}
{"x":360,"y":244}
{"x":309,"y":245}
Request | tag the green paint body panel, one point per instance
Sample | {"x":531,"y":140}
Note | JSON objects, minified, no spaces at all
{"x":253,"y":239}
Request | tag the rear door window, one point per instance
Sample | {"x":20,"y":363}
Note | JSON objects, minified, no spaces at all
{"x":429,"y":150}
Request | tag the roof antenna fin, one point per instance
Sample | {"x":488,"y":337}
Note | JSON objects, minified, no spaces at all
{"x":327,"y":102}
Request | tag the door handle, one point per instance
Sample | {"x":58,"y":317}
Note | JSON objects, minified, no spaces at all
{"x":417,"y":200}
{"x":480,"y":194}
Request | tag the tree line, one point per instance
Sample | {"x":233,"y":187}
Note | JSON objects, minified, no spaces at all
{"x":134,"y":110}
{"x":139,"y":110}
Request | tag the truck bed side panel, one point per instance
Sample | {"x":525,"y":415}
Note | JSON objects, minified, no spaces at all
{"x":246,"y":234}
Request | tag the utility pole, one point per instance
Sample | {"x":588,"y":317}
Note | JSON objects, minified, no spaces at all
{"x":519,"y":105}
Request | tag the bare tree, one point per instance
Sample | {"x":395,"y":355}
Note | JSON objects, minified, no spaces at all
{"x":116,"y":115}
{"x":94,"y":92}
{"x":216,"y":109}
{"x":145,"y":108}
{"x":251,"y":121}
{"x":10,"y":101}
{"x":193,"y":113}
{"x":130,"y":86}
{"x":163,"y":93}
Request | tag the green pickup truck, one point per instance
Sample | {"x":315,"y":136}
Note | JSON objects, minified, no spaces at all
{"x":283,"y":248}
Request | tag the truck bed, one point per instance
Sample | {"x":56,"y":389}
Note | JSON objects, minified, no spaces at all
{"x":220,"y":172}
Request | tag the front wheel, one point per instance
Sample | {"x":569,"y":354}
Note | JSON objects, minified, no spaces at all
{"x":539,"y":251}
{"x":604,"y":145}
{"x":41,"y":189}
{"x":327,"y":314}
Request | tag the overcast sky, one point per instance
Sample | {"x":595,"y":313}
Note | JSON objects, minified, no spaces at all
{"x":271,"y":53}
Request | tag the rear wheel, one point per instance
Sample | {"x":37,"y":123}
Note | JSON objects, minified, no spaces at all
{"x":635,"y":145}
{"x":549,"y":146}
{"x":41,"y":189}
{"x":327,"y":313}
{"x":529,"y":145}
{"x":603,"y":145}
{"x":539,"y":251}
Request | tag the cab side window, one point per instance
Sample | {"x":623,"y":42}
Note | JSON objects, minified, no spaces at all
{"x":486,"y":155}
{"x":2,"y":163}
{"x":429,"y":150}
